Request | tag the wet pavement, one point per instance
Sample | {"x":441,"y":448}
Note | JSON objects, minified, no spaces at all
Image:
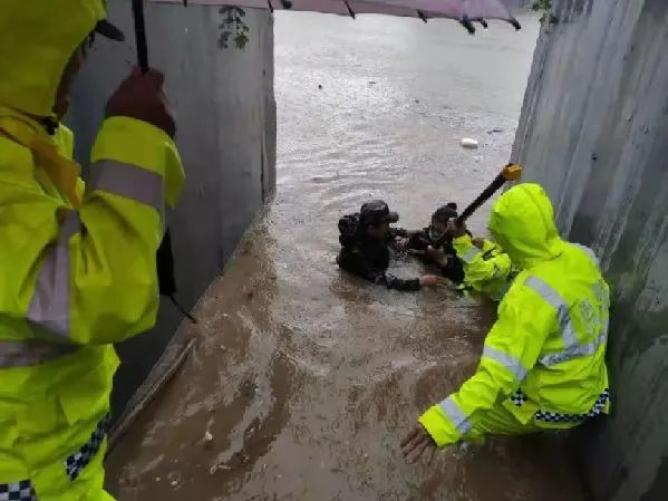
{"x":304,"y":379}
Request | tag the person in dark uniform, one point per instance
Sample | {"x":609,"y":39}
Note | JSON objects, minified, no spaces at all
{"x":434,"y":246}
{"x":366,"y":239}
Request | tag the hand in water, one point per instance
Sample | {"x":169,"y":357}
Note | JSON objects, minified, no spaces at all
{"x":401,"y":244}
{"x":437,"y":255}
{"x":418,"y":443}
{"x":141,"y":96}
{"x":431,"y":281}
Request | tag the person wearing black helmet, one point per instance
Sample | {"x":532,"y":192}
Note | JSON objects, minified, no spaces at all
{"x":366,"y":238}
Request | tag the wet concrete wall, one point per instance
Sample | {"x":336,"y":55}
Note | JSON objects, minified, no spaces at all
{"x":594,"y":132}
{"x":226,"y":114}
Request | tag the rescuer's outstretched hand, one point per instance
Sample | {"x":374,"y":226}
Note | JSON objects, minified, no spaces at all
{"x":432,"y":281}
{"x":418,"y":443}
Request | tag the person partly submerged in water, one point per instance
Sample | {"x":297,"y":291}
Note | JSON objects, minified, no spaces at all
{"x":366,"y":240}
{"x":433,"y":244}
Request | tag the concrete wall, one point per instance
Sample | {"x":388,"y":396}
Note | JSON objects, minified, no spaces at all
{"x":594,"y":132}
{"x":226,"y":115}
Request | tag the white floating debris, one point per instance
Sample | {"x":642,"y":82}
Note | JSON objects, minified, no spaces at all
{"x":208,"y":437}
{"x":470,"y":143}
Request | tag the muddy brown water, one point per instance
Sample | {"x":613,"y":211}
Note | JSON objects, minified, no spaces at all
{"x":306,"y":378}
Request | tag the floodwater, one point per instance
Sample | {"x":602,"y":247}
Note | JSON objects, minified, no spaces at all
{"x":306,"y":378}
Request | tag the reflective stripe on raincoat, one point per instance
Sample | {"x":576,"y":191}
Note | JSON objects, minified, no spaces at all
{"x":77,"y":262}
{"x":544,"y":358}
{"x":487,"y":270}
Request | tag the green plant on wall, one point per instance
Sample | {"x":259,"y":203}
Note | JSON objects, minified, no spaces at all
{"x":233,"y":29}
{"x":545,"y":6}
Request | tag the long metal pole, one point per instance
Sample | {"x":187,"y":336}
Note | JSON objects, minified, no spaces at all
{"x":140,"y":34}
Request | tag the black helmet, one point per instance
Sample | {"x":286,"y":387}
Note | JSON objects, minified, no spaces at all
{"x":376,"y":212}
{"x":445,"y":213}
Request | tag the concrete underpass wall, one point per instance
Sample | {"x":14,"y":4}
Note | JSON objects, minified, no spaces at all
{"x":594,"y":132}
{"x":226,"y":114}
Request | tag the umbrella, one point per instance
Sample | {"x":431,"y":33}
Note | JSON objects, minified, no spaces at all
{"x":464,"y":11}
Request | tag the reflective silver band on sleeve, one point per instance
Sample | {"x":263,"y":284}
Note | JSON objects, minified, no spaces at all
{"x":513,"y":365}
{"x":455,"y":414}
{"x":49,"y":306}
{"x":471,"y":254}
{"x":127,"y":181}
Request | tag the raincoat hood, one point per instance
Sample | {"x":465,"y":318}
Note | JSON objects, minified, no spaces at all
{"x":522,"y":222}
{"x":37,"y":39}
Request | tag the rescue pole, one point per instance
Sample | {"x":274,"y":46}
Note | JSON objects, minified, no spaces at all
{"x":511,"y":172}
{"x":140,"y":34}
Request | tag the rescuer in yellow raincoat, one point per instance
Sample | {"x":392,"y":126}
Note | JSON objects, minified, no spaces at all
{"x":77,"y":264}
{"x":543,"y":362}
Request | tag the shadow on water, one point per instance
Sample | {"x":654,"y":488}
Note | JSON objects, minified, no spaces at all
{"x":304,"y":377}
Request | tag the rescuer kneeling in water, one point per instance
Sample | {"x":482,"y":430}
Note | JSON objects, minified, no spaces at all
{"x":78,"y":264}
{"x":543,"y":362}
{"x":366,"y":238}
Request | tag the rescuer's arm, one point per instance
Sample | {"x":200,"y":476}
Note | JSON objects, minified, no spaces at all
{"x":135,"y":170}
{"x":354,"y":261}
{"x":88,"y":276}
{"x":510,"y":351}
{"x":482,"y":263}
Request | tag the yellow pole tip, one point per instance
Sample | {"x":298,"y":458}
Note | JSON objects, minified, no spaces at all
{"x":512,"y":172}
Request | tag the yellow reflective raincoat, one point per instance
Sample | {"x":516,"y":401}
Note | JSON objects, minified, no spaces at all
{"x":543,"y":362}
{"x":77,"y":263}
{"x":487,"y":269}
